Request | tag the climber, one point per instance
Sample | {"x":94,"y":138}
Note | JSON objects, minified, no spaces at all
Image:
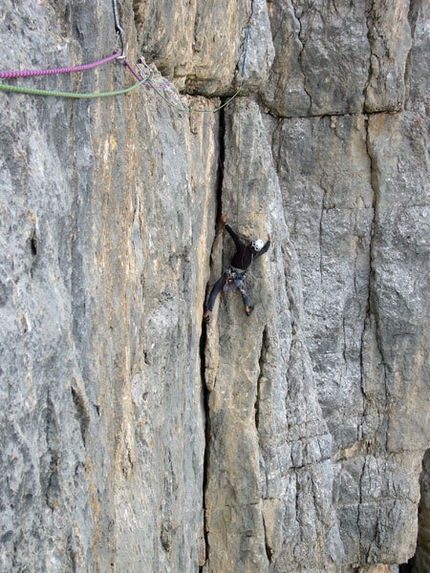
{"x":235,"y":276}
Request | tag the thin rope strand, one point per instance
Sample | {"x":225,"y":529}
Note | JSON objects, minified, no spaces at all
{"x":189,"y":109}
{"x":246,"y":49}
{"x":163,"y":86}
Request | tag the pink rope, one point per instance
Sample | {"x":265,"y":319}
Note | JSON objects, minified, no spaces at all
{"x":135,"y":74}
{"x":81,"y":68}
{"x":166,"y":84}
{"x":49,"y":71}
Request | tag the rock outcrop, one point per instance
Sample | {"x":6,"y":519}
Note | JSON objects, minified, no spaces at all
{"x":134,"y":438}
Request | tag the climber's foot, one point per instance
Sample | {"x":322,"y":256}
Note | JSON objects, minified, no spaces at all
{"x":249,"y":310}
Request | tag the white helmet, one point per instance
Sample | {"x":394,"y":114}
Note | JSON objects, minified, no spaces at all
{"x":257,"y":245}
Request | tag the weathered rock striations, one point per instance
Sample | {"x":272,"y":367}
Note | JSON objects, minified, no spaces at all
{"x":206,"y":46}
{"x":291,"y":441}
{"x":105,"y":251}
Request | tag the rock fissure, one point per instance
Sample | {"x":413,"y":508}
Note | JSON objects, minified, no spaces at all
{"x":207,"y":387}
{"x":269,"y":550}
{"x":375,"y":322}
{"x":300,"y":55}
{"x":367,"y":324}
{"x":359,"y":511}
{"x":311,"y":425}
{"x":258,"y":396}
{"x":369,"y":8}
{"x":321,"y":232}
{"x":206,"y":452}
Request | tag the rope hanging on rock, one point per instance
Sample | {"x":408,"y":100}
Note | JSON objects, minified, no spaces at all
{"x":52,"y":71}
{"x":72,"y":69}
{"x":117,"y":56}
{"x":72,"y":95}
{"x":248,"y":33}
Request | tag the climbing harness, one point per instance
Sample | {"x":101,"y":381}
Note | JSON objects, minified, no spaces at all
{"x":235,"y":279}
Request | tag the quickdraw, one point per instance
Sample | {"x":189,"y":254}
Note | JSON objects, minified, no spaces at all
{"x":234,"y":278}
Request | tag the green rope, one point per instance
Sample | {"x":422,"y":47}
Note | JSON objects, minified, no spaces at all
{"x":33,"y":91}
{"x":38,"y":92}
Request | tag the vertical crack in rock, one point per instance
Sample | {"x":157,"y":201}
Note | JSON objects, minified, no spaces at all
{"x":366,"y":324}
{"x":360,"y":501}
{"x":390,"y":44}
{"x":91,"y":330}
{"x":374,"y":229}
{"x":257,"y":413}
{"x":269,"y":550}
{"x":33,"y":248}
{"x":368,"y":312}
{"x":82,"y":411}
{"x":220,"y":151}
{"x":205,"y":399}
{"x":420,"y":561}
{"x":259,"y":381}
{"x":374,"y":320}
{"x":320,"y":229}
{"x":412,"y":16}
{"x":368,"y":12}
{"x":53,"y":443}
{"x":300,"y":57}
{"x":220,"y":148}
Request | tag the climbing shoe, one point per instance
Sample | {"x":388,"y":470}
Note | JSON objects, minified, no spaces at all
{"x":249,"y":312}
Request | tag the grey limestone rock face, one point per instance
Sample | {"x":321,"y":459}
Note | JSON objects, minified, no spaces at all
{"x":389,"y":34}
{"x":135,"y":438}
{"x":105,"y":241}
{"x":205,"y":47}
{"x":421,"y":561}
{"x":321,"y":58}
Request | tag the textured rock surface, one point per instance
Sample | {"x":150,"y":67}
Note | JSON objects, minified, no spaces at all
{"x":421,"y":560}
{"x":291,"y":441}
{"x":321,"y":63}
{"x":105,"y":240}
{"x":204,"y":44}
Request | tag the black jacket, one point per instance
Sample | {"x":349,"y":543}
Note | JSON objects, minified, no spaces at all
{"x":245,"y":254}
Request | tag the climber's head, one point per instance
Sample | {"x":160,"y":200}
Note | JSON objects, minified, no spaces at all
{"x":257,"y":245}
